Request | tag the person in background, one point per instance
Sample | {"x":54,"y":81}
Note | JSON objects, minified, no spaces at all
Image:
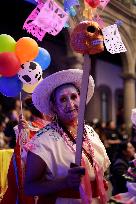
{"x":133,"y":130}
{"x":52,"y":149}
{"x":113,"y":140}
{"x":133,"y":136}
{"x":9,"y":129}
{"x":3,"y":139}
{"x":17,"y":106}
{"x":130,"y":196}
{"x":13,"y":119}
{"x":126,"y":153}
{"x":123,"y":132}
{"x":31,"y":122}
{"x":99,"y":127}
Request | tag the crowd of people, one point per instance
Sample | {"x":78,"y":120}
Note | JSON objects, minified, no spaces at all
{"x":64,"y":102}
{"x":121,"y":149}
{"x":109,"y":133}
{"x":7,"y":122}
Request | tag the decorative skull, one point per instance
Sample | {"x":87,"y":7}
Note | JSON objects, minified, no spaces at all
{"x":87,"y":38}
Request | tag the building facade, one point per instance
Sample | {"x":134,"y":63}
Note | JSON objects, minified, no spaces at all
{"x":114,"y":75}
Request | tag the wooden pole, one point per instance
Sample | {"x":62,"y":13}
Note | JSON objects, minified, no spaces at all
{"x":82,"y":105}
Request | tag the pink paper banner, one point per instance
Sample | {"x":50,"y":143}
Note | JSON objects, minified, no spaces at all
{"x":103,"y":3}
{"x":46,"y":17}
{"x":30,"y":27}
{"x":99,"y":20}
{"x":51,"y":18}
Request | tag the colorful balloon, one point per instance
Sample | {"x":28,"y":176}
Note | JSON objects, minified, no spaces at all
{"x":43,"y":58}
{"x":72,"y":11}
{"x":7,"y":43}
{"x":93,"y":3}
{"x":30,"y":88}
{"x":10,"y":86}
{"x":9,"y":64}
{"x":30,"y":73}
{"x":32,"y":2}
{"x":26,"y":49}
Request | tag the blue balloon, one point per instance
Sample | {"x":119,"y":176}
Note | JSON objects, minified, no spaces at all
{"x":32,"y":2}
{"x":72,"y":11}
{"x":43,"y":58}
{"x":10,"y":86}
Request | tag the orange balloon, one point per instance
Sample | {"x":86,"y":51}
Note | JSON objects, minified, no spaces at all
{"x":26,"y":49}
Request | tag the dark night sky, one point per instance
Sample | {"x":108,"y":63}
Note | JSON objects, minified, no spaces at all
{"x":12,"y":16}
{"x":13,"y":13}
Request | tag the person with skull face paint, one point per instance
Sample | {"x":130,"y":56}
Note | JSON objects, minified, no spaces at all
{"x":52,"y":149}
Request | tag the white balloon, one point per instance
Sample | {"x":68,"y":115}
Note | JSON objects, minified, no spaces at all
{"x":30,"y":73}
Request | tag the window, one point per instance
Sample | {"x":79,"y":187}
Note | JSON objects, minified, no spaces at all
{"x":104,"y":106}
{"x":105,"y":102}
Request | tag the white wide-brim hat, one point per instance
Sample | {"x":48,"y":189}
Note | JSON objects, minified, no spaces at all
{"x":41,"y":94}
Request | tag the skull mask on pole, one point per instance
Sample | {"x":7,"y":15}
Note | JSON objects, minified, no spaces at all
{"x":87,"y":38}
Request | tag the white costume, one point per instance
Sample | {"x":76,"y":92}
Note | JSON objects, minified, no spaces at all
{"x":53,"y":150}
{"x":56,"y":149}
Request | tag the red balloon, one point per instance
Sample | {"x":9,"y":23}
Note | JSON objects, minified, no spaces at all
{"x":93,"y":3}
{"x":9,"y":64}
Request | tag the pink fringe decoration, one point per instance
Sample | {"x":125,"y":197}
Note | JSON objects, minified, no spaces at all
{"x":46,"y":17}
{"x":103,"y":3}
{"x":32,"y":28}
{"x":99,"y":20}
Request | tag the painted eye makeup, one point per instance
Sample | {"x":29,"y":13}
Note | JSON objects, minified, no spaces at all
{"x":62,"y":99}
{"x":73,"y":96}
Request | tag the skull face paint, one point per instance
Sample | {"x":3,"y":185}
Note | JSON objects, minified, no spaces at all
{"x":87,"y":38}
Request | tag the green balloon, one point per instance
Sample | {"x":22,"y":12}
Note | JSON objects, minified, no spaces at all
{"x":7,"y":43}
